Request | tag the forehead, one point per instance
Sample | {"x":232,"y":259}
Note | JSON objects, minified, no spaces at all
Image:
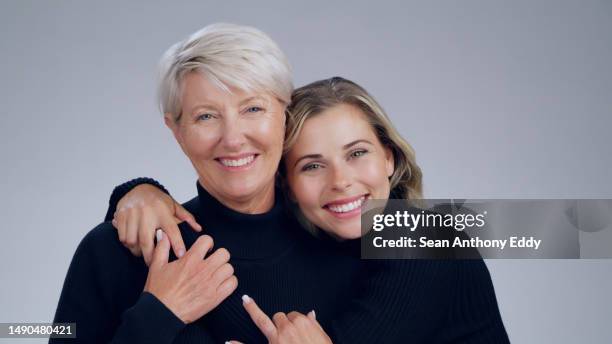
{"x":334,"y":128}
{"x":197,"y":88}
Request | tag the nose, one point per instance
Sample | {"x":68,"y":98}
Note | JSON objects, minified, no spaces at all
{"x":232,"y":135}
{"x":340,"y":178}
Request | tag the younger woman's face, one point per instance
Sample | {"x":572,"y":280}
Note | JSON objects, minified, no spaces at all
{"x":336,"y":164}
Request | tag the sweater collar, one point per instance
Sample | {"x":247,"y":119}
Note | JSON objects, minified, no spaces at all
{"x":223,"y":212}
{"x":247,"y":236}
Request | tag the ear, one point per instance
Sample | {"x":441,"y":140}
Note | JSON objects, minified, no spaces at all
{"x":389,"y":162}
{"x":173,"y":125}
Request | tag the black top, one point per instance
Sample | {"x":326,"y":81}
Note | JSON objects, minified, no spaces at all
{"x":284,"y":269}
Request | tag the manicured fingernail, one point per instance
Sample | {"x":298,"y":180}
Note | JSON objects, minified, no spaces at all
{"x":228,"y":343}
{"x":181,"y":252}
{"x":159,"y":234}
{"x":314,"y":315}
{"x":246,"y":298}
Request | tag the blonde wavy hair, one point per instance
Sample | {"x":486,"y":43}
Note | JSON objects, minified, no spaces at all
{"x":313,"y":99}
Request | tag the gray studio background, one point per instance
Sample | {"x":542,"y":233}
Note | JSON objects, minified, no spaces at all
{"x":500,"y":100}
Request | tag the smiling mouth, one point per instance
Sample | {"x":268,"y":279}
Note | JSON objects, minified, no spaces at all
{"x":347,"y":207}
{"x":234,"y":163}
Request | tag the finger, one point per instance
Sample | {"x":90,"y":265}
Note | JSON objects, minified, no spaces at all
{"x":120,"y":220}
{"x":218,"y":258}
{"x":224,"y":272}
{"x":133,"y":219}
{"x":162,"y":251}
{"x":174,"y":234}
{"x":227,"y":288}
{"x":294,"y":315}
{"x":285,"y":328}
{"x":183,"y":215}
{"x":135,"y":251}
{"x":261,"y":320}
{"x":298,"y":319}
{"x":313,"y":317}
{"x":302,"y":326}
{"x":146,"y":239}
{"x":200,"y":248}
{"x":281,"y":321}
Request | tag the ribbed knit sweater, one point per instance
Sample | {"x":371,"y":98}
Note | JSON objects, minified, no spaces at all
{"x":284,"y":269}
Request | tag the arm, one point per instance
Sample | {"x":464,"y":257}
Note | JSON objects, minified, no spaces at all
{"x":404,"y":300}
{"x":103,"y":291}
{"x":121,"y":190}
{"x":139,"y":207}
{"x":474,"y":315}
{"x":102,"y":294}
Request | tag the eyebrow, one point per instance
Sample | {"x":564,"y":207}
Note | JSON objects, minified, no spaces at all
{"x":309,"y":156}
{"x":319,"y":156}
{"x":242,"y":102}
{"x":349,"y":145}
{"x":210,"y":106}
{"x":203,"y":106}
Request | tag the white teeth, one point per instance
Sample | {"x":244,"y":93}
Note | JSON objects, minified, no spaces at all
{"x":345,"y":208}
{"x":237,"y":162}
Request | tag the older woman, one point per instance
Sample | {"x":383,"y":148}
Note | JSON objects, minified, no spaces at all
{"x":223,"y":92}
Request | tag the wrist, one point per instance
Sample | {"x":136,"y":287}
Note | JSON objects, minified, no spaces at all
{"x":166,"y":300}
{"x":120,"y":191}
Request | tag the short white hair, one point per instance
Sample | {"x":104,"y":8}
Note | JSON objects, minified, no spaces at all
{"x":230,"y":56}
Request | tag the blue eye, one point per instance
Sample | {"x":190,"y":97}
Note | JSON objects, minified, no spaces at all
{"x":254,"y":109}
{"x":310,"y":167}
{"x":204,"y":117}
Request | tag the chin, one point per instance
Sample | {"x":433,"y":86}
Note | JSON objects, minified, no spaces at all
{"x":241,"y":188}
{"x":346,"y":234}
{"x":240,"y":193}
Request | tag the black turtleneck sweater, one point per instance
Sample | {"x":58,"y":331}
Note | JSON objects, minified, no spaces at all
{"x":284,"y":269}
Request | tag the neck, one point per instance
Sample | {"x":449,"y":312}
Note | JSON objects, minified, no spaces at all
{"x":258,"y":203}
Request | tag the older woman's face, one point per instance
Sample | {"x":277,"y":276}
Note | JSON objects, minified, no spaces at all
{"x":234,"y":141}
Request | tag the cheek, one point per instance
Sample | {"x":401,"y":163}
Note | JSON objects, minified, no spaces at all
{"x":373,"y":173}
{"x":306,"y":191}
{"x":199,"y":143}
{"x":269,"y":131}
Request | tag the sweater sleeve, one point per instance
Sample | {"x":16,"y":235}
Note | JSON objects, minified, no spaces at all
{"x":102,"y":295}
{"x":473,"y":317}
{"x":414,"y":301}
{"x":123,"y":189}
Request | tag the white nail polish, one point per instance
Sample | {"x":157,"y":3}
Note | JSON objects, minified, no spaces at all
{"x":246,"y":298}
{"x":159,"y":234}
{"x":314,"y":315}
